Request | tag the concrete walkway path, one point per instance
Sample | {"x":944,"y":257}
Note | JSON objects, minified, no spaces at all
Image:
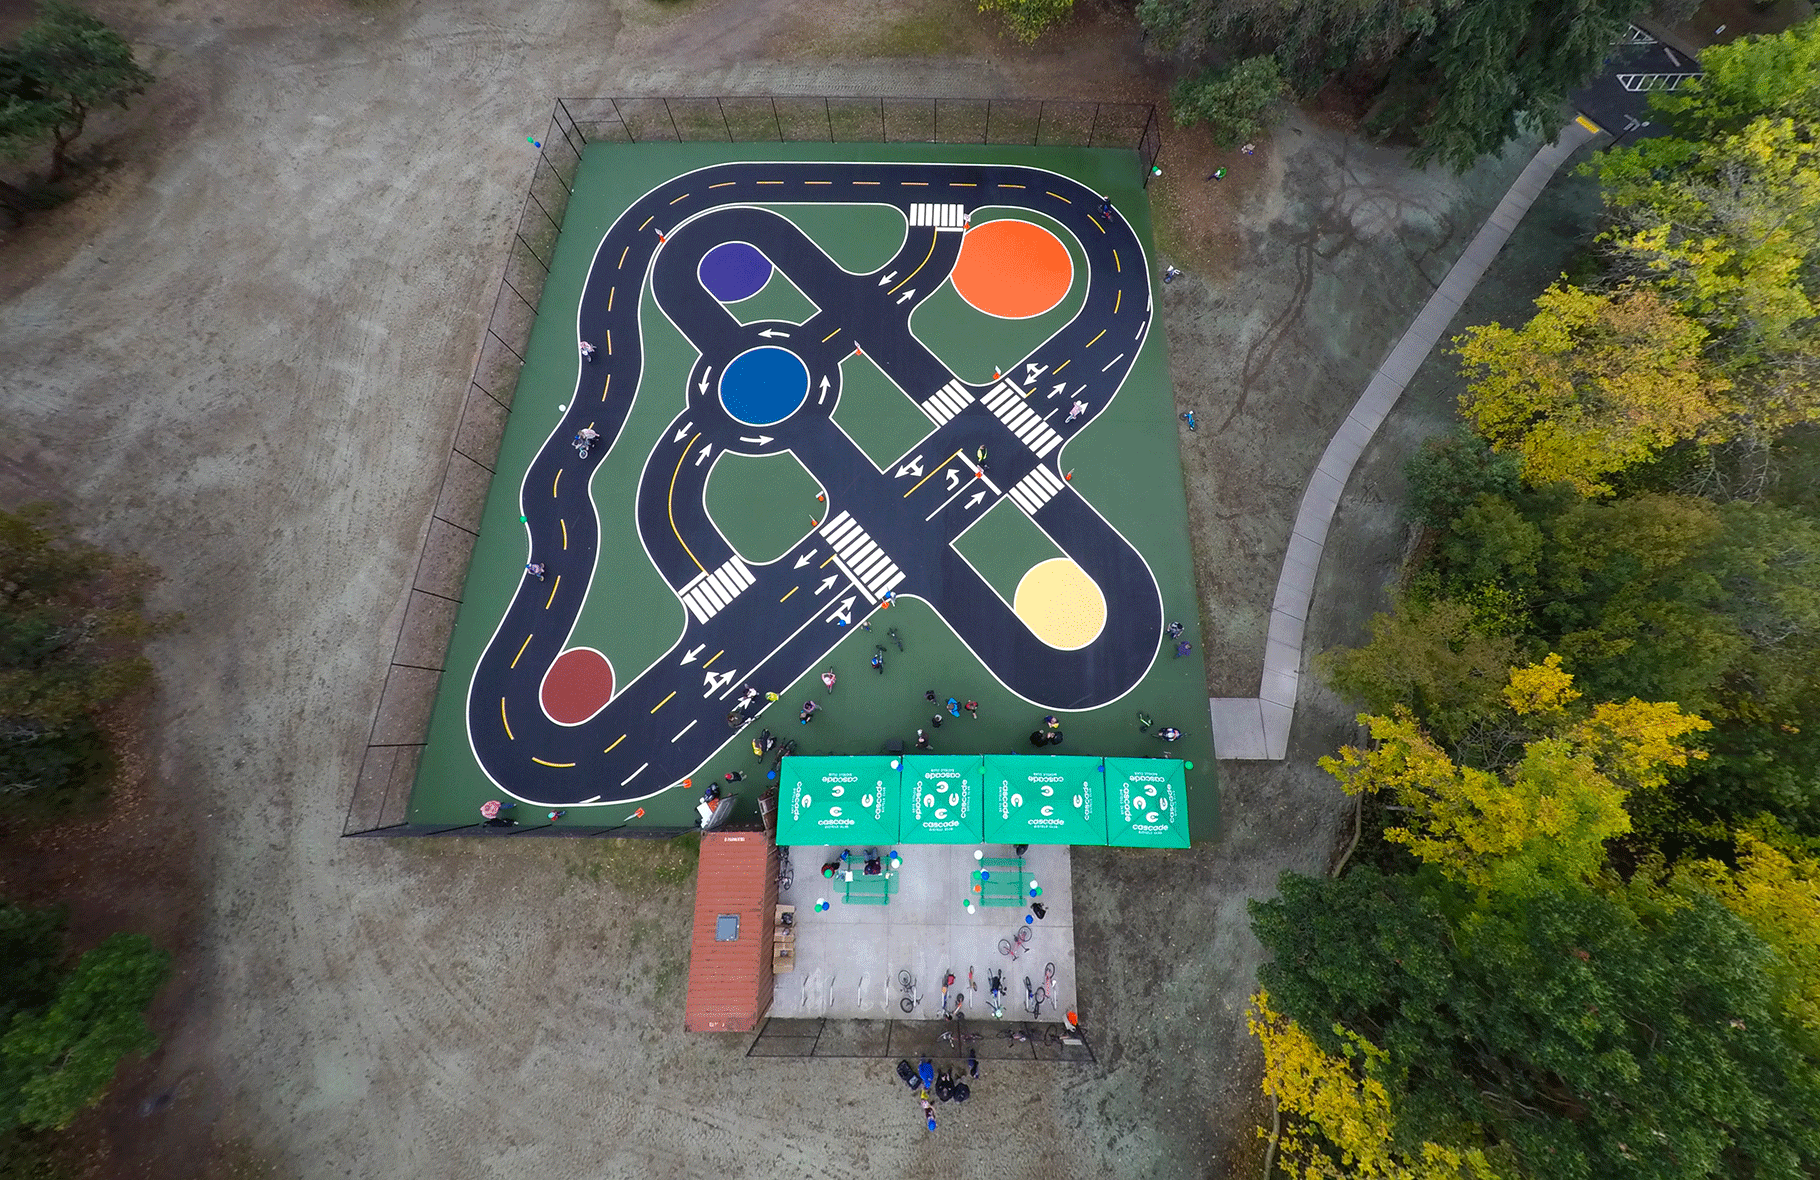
{"x":1257,"y":728}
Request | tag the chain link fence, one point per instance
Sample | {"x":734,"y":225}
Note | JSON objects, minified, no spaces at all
{"x":395,"y":743}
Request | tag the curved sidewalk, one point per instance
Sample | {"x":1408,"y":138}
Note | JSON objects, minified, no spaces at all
{"x":1257,"y":728}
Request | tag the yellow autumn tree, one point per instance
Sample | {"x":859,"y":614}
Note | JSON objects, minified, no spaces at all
{"x":1546,"y":815}
{"x":1339,"y":1124}
{"x":1778,"y":894}
{"x":1591,"y":385}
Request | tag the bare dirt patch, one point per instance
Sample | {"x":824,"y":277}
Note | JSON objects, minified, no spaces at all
{"x":243,"y":355}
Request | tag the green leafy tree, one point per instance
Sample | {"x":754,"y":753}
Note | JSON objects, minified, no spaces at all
{"x":1776,"y":76}
{"x":1312,"y":39}
{"x":64,"y":65}
{"x":1562,"y":1033}
{"x":1451,"y":472}
{"x":55,"y":1063}
{"x":1030,"y":19}
{"x":1232,"y":102}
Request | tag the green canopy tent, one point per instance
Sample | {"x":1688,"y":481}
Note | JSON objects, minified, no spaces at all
{"x":837,"y":801}
{"x":942,"y":798}
{"x":1044,"y":800}
{"x":1146,"y":803}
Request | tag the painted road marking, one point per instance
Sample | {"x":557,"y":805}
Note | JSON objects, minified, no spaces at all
{"x":633,"y":775}
{"x":1006,"y":402}
{"x":709,"y":592}
{"x":861,"y":558}
{"x":1036,"y":489}
{"x":683,"y":730}
{"x":947,"y":401}
{"x":942,"y":217}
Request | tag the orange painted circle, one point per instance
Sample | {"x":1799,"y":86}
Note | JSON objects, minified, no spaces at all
{"x":577,"y":686}
{"x":1012,"y":269}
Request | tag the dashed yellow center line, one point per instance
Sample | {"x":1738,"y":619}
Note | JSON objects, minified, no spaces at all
{"x":521,"y":652}
{"x":1064,"y":364}
{"x":670,"y":505}
{"x":914,"y":183}
{"x":715,"y":656}
{"x":818,"y":182}
{"x":1091,"y":343}
{"x":1118,"y":297}
{"x":1003,"y":185}
{"x":870,"y":182}
{"x":1060,"y":197}
{"x":770,"y":182}
{"x":616,"y":741}
{"x":504,"y":722}
{"x":612,"y":291}
{"x":1096,"y":223}
{"x":622,"y":258}
{"x":723,"y":184}
{"x":609,"y":342}
{"x":648,"y":221}
{"x":831,"y":335}
{"x":565,"y":534}
{"x":793,"y":590}
{"x":824,"y":565}
{"x":684,"y":197}
{"x":555,"y":483}
{"x":1115,"y":263}
{"x":556,"y":765}
{"x":607,"y":386}
{"x":553,"y":590}
{"x":925,"y":479}
{"x":662,"y":703}
{"x":962,"y":184}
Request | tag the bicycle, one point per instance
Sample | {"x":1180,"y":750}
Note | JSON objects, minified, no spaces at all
{"x":912,"y":997}
{"x":1033,"y":1003}
{"x":996,"y":982}
{"x":947,"y":982}
{"x":1014,"y":946}
{"x":786,"y":872}
{"x":894,"y":637}
{"x":960,"y":1038}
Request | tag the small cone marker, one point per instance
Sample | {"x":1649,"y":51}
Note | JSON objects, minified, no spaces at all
{"x":1069,"y":475}
{"x":822,"y":496}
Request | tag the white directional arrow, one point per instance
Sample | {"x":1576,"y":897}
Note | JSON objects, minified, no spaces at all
{"x":703,"y":387}
{"x":683,"y":432}
{"x":845,"y":611}
{"x":824,"y":396}
{"x":761,"y":440}
{"x":905,"y":297}
{"x":804,"y":559}
{"x":954,"y":478}
{"x":977,"y":497}
{"x":831,"y":580}
{"x":702,"y":455}
{"x":913,"y":467}
{"x":1058,"y":389}
{"x":689,"y":656}
{"x":714,"y":683}
{"x":768,"y":332}
{"x":887,"y":278}
{"x":1031,"y":372}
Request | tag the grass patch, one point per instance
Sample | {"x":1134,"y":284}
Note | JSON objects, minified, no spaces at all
{"x":875,"y":413}
{"x":638,"y":868}
{"x":860,"y":238}
{"x":1003,"y":545}
{"x":779,"y":299}
{"x":937,"y":31}
{"x":762,"y":504}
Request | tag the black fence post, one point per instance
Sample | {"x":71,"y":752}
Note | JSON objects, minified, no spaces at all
{"x":674,"y":129}
{"x":722,"y":108}
{"x":1094,"y":129}
{"x":935,"y":120}
{"x":777,"y":120}
{"x":884,"y":136}
{"x":565,"y":132}
{"x":625,"y":126}
{"x":986,"y":137}
{"x":828,"y":114}
{"x":1037,"y":141}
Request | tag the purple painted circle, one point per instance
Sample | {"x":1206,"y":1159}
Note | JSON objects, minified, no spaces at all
{"x":733,"y":271}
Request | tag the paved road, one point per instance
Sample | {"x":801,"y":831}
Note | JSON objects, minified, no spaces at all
{"x":887,"y":530}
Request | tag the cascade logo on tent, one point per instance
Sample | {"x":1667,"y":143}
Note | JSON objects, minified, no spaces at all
{"x":1145,"y":802}
{"x":1047,"y":813}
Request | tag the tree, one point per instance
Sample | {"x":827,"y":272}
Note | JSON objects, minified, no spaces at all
{"x":1591,"y":385}
{"x":1450,"y":473}
{"x":1486,"y":71}
{"x":1776,"y":890}
{"x":1312,"y":39}
{"x":65,"y":64}
{"x":1776,"y":76}
{"x":1232,"y":102}
{"x":1563,"y":1033}
{"x":1339,"y":1106}
{"x":1030,"y":19}
{"x":55,"y":1063}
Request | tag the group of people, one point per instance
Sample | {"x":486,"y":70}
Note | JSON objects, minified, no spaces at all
{"x":925,"y":1081}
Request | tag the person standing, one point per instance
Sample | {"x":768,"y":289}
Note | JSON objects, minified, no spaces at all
{"x":922,"y":740}
{"x":1183,"y":648}
{"x":973,"y":707}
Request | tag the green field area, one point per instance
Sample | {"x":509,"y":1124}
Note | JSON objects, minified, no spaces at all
{"x":762,"y":504}
{"x":1002,"y":545}
{"x":875,"y":413}
{"x":976,"y":345}
{"x":1127,"y":466}
{"x":778,"y":299}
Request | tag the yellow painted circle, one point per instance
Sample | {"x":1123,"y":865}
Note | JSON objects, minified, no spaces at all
{"x":1060,"y":604}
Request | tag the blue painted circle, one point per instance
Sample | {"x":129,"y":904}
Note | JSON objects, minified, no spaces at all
{"x":764,"y":386}
{"x":733,"y":271}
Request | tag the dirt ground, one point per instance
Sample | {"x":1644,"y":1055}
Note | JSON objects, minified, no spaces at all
{"x":242,"y":352}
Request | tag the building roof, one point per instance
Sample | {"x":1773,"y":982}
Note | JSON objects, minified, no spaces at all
{"x":730,"y":979}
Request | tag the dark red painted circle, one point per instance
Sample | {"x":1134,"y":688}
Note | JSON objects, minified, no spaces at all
{"x":577,"y":686}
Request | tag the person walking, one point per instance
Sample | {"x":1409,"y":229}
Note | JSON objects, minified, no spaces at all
{"x":1174,"y":630}
{"x":878,"y":660}
{"x":1075,"y":411}
{"x":734,"y":776}
{"x":929,"y":695}
{"x":935,"y":722}
{"x":1183,"y":648}
{"x":980,"y":456}
{"x":973,"y":708}
{"x":922,"y":740}
{"x":954,"y":707}
{"x":828,"y":679}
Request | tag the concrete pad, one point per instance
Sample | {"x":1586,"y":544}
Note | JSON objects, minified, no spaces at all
{"x":1285,"y":628}
{"x":848,"y":959}
{"x":1238,"y":729}
{"x":1277,"y":722}
{"x":1279,"y":686}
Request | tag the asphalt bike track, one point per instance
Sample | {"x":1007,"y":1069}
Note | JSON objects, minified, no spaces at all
{"x":884,"y":532}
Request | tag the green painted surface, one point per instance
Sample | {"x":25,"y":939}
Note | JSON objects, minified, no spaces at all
{"x":778,"y":299}
{"x":1003,"y":544}
{"x":860,"y":238}
{"x":975,"y":344}
{"x":1034,"y":800}
{"x":762,"y":504}
{"x":837,"y":801}
{"x":875,"y":413}
{"x":1127,"y":462}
